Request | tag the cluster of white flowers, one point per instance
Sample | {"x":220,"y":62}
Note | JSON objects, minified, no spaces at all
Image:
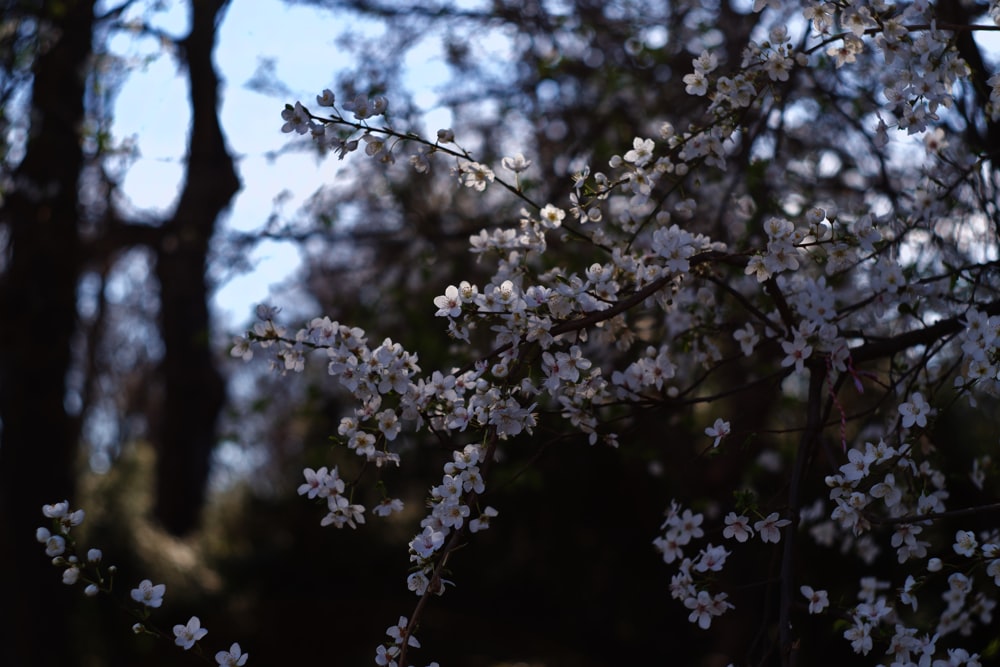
{"x":544,"y":321}
{"x":905,"y":647}
{"x":61,"y":547}
{"x":906,"y":493}
{"x":450,"y":505}
{"x":399,"y":635}
{"x":920,"y":70}
{"x":981,"y":347}
{"x":328,"y":486}
{"x":328,"y":132}
{"x":642,"y":320}
{"x":691,"y":583}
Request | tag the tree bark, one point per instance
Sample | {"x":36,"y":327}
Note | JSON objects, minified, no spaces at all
{"x":194,"y":389}
{"x":38,"y":444}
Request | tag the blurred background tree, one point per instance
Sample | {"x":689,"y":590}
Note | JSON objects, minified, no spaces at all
{"x":566,"y":580}
{"x":63,"y":235}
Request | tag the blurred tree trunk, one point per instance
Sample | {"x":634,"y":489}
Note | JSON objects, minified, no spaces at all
{"x":193,"y":388}
{"x":37,"y":322}
{"x":39,"y":273}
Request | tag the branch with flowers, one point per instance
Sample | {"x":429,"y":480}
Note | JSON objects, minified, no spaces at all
{"x":60,"y":546}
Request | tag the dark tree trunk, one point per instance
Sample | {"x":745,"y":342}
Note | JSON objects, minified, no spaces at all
{"x":194,"y":389}
{"x":985,"y":139}
{"x":37,"y":321}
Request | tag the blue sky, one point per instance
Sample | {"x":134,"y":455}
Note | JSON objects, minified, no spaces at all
{"x":152,"y":106}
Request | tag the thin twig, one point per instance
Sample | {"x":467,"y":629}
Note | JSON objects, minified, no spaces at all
{"x":917,"y":518}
